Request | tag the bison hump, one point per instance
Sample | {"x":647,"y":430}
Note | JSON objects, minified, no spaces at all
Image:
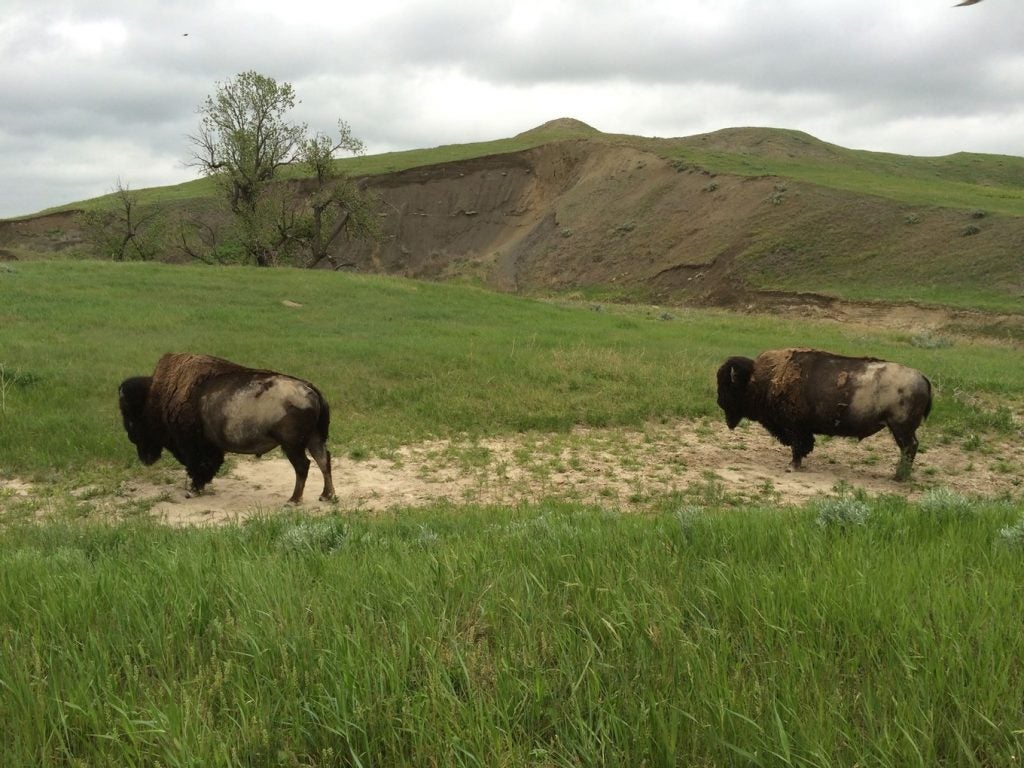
{"x":178,"y":381}
{"x":779,"y":372}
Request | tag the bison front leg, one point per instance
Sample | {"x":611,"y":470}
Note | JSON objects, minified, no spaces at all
{"x":201,"y":464}
{"x":802,"y":445}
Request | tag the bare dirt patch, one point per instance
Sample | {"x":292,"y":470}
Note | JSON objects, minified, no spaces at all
{"x":633,"y":470}
{"x":15,"y":488}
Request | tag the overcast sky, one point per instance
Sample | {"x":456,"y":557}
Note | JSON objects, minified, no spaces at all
{"x":96,"y":91}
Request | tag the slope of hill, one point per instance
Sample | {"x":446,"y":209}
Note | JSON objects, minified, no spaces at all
{"x":736,"y":217}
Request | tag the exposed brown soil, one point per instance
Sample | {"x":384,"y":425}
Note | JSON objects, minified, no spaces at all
{"x":698,"y":463}
{"x":565,"y":215}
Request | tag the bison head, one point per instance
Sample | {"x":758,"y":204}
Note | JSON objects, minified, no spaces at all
{"x":733,"y":377}
{"x":132,"y":399}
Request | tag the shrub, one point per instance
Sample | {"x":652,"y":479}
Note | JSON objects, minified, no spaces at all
{"x":842,"y":512}
{"x":687,"y":515}
{"x":925,"y":340}
{"x":942,"y":501}
{"x":314,"y":535}
{"x":1013,"y":535}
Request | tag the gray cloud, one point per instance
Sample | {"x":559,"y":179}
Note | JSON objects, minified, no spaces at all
{"x":97,"y":92}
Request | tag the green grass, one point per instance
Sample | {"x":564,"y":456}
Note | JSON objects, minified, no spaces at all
{"x":993,"y":183}
{"x":915,"y":180}
{"x":838,"y":265}
{"x":400,"y":360}
{"x":543,"y":636}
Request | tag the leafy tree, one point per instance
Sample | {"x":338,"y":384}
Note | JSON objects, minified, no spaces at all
{"x":336,"y":203}
{"x":244,"y":140}
{"x":243,"y":135}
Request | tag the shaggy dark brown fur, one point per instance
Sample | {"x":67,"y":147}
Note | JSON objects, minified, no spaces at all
{"x":176,"y":409}
{"x":798,"y":393}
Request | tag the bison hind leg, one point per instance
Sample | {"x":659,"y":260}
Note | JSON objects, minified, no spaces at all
{"x":322,"y":457}
{"x":297,"y":456}
{"x":906,"y":439}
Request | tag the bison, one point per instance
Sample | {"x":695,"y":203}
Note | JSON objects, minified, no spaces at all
{"x":200,"y":407}
{"x":798,"y":393}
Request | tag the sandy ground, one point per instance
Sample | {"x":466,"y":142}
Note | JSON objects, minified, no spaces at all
{"x":695,"y":462}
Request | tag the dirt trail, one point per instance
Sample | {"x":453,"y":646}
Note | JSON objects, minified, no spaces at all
{"x":701,"y":462}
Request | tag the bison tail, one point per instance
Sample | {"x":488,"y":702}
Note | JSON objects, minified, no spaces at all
{"x":323,"y":422}
{"x":928,"y":404}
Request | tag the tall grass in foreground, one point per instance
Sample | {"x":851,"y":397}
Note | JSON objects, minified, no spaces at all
{"x":401,"y":360}
{"x":882,"y":634}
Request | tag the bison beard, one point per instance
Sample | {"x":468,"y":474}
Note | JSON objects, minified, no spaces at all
{"x":201,"y":407}
{"x":798,"y":393}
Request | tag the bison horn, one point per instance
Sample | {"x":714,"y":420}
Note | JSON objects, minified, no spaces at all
{"x":732,"y":373}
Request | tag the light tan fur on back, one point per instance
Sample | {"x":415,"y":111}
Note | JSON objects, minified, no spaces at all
{"x":254,"y":409}
{"x":884,"y":387}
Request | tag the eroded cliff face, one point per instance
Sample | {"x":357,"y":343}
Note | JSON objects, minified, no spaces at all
{"x":561,"y":216}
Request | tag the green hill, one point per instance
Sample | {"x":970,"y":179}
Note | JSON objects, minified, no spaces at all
{"x":742,"y":217}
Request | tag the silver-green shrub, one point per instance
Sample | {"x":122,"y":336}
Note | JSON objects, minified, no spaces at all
{"x":842,"y":512}
{"x":314,"y":535}
{"x":942,"y":501}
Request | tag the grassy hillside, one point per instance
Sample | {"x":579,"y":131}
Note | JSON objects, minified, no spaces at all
{"x":401,"y":360}
{"x":727,"y":216}
{"x":992,"y":183}
{"x":367,"y":165}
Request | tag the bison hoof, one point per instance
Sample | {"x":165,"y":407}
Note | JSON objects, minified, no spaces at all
{"x":328,"y":497}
